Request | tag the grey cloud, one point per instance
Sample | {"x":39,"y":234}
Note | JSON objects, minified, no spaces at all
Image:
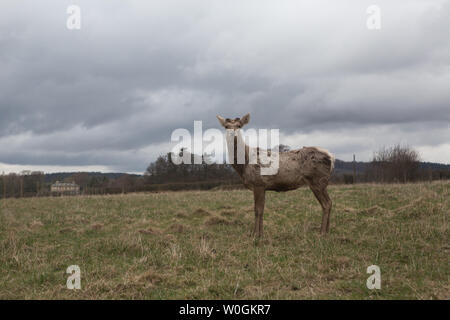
{"x":138,"y":70}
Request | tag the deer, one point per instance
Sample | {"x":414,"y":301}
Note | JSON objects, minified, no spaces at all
{"x":310,"y":166}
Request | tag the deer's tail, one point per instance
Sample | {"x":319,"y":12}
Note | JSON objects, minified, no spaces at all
{"x":328,"y":156}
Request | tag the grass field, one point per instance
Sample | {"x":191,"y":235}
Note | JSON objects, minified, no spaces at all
{"x":197,"y":245}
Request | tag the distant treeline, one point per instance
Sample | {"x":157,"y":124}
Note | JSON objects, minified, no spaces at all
{"x":397,"y":164}
{"x":38,"y":184}
{"x":160,"y":175}
{"x":163,"y":174}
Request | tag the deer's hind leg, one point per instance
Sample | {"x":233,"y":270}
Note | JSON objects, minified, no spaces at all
{"x":319,"y":188}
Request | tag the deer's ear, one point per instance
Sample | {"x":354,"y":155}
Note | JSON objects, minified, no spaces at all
{"x":221,"y":120}
{"x":245,"y":119}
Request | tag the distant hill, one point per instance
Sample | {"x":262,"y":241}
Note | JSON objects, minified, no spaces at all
{"x":60,"y":176}
{"x":347,"y":166}
{"x":434,"y":166}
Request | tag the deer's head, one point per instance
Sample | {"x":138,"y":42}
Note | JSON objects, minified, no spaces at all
{"x":234,"y":124}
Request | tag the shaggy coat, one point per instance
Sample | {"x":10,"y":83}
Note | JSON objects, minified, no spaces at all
{"x":310,"y":166}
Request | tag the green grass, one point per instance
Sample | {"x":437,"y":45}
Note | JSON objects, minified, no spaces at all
{"x":197,"y":245}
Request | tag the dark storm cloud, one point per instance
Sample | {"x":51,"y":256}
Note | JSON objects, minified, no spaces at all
{"x":111,"y":93}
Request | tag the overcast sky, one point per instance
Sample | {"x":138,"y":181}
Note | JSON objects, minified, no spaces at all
{"x":108,"y":96}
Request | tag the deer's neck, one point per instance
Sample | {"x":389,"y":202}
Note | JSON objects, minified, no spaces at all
{"x":234,"y":143}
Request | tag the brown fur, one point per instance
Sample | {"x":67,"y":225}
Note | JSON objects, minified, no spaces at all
{"x":310,"y":166}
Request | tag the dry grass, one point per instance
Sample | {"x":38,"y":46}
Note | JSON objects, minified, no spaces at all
{"x":196,"y":245}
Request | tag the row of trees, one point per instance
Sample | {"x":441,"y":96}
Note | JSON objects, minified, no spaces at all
{"x":398,"y":164}
{"x":395,"y":164}
{"x":162,"y":174}
{"x":36,"y":184}
{"x":101,"y":184}
{"x":164,"y":170}
{"x":22,"y":185}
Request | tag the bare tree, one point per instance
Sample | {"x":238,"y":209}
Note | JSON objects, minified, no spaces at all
{"x":395,"y":164}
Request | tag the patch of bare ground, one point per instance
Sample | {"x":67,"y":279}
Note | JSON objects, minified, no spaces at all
{"x":150,"y":230}
{"x":148,"y":278}
{"x":228,"y":213}
{"x":67,"y":230}
{"x":177,"y":228}
{"x":201,"y":213}
{"x":97,"y":226}
{"x":217,"y":221}
{"x":181,"y":215}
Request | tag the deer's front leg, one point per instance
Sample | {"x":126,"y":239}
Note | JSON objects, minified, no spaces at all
{"x":259,"y":194}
